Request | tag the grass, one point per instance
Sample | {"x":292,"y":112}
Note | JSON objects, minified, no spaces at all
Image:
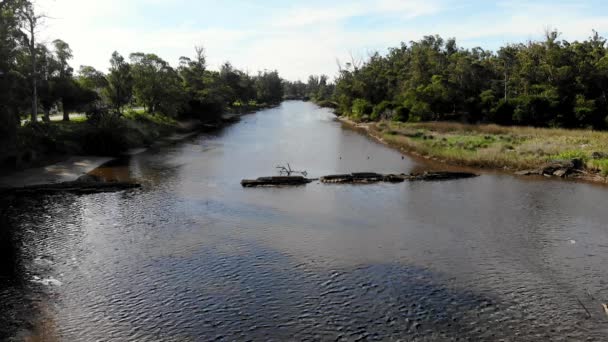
{"x":110,"y":136}
{"x":139,"y":115}
{"x":493,"y":146}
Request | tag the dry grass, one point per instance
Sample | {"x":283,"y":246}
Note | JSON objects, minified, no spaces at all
{"x":493,"y":146}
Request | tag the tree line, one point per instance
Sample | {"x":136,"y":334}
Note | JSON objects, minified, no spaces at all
{"x":552,"y":83}
{"x":37,"y":78}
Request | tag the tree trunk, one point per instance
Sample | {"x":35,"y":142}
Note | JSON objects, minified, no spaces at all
{"x":47,"y":115}
{"x":66,"y":114}
{"x":34,"y":117}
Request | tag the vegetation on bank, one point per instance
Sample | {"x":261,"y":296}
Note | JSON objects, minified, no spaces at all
{"x":493,"y":146}
{"x":107,"y":134}
{"x":36,"y":78}
{"x":549,"y":83}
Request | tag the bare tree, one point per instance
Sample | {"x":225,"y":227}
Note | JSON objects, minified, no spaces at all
{"x":31,"y":21}
{"x":287,"y":171}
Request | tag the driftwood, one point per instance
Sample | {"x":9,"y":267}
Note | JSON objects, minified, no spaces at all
{"x":439,"y":176}
{"x":356,"y":178}
{"x":84,"y":185}
{"x":287,"y":171}
{"x":275,"y":181}
{"x":394,"y":178}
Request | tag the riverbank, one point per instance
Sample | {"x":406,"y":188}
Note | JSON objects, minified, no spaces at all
{"x":63,"y":151}
{"x":513,"y":149}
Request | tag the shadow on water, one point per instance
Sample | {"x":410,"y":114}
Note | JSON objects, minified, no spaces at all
{"x":16,"y":306}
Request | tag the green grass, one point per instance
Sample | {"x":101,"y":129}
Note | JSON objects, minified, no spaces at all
{"x":142,"y":116}
{"x":493,"y":146}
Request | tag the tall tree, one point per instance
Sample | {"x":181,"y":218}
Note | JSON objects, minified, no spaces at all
{"x":11,"y":81}
{"x":65,"y":84}
{"x":30,"y":22}
{"x":120,"y":82}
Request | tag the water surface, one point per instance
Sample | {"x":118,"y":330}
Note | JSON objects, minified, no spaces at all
{"x":193,"y":256}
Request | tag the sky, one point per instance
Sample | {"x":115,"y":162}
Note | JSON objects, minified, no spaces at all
{"x":299,"y":38}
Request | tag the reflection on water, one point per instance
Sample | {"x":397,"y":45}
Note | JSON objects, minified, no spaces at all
{"x":193,"y":256}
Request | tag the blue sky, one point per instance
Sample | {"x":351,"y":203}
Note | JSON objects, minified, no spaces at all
{"x":299,"y":38}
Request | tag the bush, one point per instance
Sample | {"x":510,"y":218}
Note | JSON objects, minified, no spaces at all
{"x":361,"y":107}
{"x":106,"y":135}
{"x":39,"y":135}
{"x":383,"y":111}
{"x":503,"y":113}
{"x":401,"y":114}
{"x":327,"y":104}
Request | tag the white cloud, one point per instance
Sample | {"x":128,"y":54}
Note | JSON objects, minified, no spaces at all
{"x":300,"y":39}
{"x":331,"y":13}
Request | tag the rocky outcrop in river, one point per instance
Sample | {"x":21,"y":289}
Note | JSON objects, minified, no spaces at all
{"x":357,"y":178}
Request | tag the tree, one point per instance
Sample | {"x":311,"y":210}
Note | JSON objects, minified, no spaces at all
{"x":119,"y":88}
{"x":91,"y":78}
{"x":551,"y":82}
{"x":30,"y":21}
{"x":64,"y":80}
{"x":13,"y":84}
{"x":48,"y":83}
{"x":156,"y":84}
{"x":269,"y":87}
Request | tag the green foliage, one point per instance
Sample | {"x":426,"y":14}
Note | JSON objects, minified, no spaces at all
{"x":383,"y":110}
{"x":120,"y":82}
{"x":360,"y":108}
{"x":269,"y":87}
{"x":105,"y":134}
{"x":156,"y":84}
{"x":569,"y":155}
{"x":543,"y":83}
{"x":600,"y":165}
{"x":143,"y":116}
{"x":35,"y":135}
{"x":401,"y":114}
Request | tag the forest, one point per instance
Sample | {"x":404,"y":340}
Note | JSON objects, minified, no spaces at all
{"x":548,"y":83}
{"x":37,"y":80}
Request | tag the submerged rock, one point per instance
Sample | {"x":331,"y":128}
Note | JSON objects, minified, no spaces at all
{"x":395,"y":178}
{"x":556,"y":168}
{"x":275,"y":181}
{"x":440,"y":176}
{"x":86,"y":184}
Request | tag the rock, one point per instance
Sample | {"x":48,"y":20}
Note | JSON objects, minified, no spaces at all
{"x":275,"y":181}
{"x":599,"y":155}
{"x":394,"y":178}
{"x":367,"y":177}
{"x":357,"y":177}
{"x":577,"y":163}
{"x":440,"y":176}
{"x":76,"y":187}
{"x":528,"y":172}
{"x":550,"y":168}
{"x":344,"y":178}
{"x":87,"y":178}
{"x":561,"y":173}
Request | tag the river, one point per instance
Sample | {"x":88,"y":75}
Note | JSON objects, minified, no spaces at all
{"x":193,"y":256}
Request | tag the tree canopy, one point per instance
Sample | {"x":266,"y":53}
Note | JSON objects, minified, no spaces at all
{"x":541,"y":83}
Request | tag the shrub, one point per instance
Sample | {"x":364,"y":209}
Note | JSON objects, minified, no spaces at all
{"x":569,"y":155}
{"x":502,"y":114}
{"x":361,"y":107}
{"x":383,"y":110}
{"x":401,"y":114}
{"x":39,"y":135}
{"x":106,"y":134}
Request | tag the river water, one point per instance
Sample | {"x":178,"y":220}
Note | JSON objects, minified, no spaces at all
{"x":193,"y":256}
